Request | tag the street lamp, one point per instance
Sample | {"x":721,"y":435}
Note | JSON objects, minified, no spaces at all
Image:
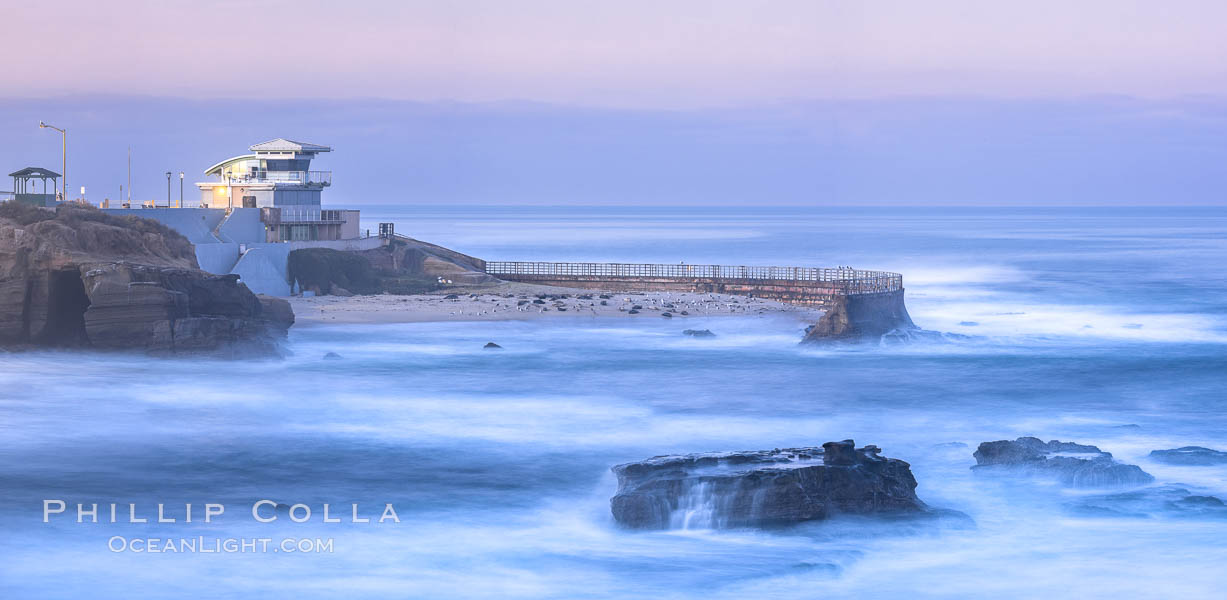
{"x":64,"y":155}
{"x":155,"y":204}
{"x":180,"y":189}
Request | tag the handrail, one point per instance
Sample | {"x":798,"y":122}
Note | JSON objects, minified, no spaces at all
{"x":841,"y":280}
{"x":307,"y":177}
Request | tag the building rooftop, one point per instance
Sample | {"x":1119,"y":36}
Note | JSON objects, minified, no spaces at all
{"x":284,"y":145}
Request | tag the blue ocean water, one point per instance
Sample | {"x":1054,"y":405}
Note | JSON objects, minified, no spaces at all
{"x":1103,"y":326}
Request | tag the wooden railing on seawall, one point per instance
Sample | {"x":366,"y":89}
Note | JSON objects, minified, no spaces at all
{"x":802,"y":285}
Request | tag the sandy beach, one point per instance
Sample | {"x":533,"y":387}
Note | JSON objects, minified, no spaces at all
{"x":519,"y":301}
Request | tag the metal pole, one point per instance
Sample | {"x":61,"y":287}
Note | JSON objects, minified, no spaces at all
{"x":180,"y":205}
{"x":64,"y":155}
{"x":155,"y":204}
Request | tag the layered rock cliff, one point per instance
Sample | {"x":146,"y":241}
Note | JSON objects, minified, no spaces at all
{"x":78,"y":277}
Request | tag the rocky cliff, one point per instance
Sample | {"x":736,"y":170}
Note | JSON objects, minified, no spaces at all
{"x":78,"y":277}
{"x":405,"y":266}
{"x":861,"y":317}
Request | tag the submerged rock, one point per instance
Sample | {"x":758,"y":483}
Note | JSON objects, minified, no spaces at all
{"x":1190,"y":456}
{"x":492,"y":346}
{"x":699,"y":333}
{"x":1166,"y":501}
{"x":332,"y":356}
{"x":762,"y":488}
{"x":1075,"y":465}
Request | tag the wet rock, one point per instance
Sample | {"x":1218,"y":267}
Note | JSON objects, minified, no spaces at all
{"x":451,"y":297}
{"x":1190,"y":456}
{"x":699,"y":333}
{"x":762,"y":488}
{"x":667,"y":315}
{"x":950,"y":445}
{"x":332,"y":356}
{"x":1168,"y":501}
{"x":492,"y":346}
{"x":1075,"y":465}
{"x":632,"y":312}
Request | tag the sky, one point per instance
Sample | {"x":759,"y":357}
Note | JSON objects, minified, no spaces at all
{"x":571,"y":101}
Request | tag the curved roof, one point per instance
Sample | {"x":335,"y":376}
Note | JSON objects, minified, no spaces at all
{"x":216,"y":169}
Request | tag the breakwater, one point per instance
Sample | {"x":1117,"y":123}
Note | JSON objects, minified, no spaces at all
{"x":796,"y":285}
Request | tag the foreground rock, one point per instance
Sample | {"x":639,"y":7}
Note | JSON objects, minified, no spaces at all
{"x":865,"y":317}
{"x":1190,"y":456}
{"x":1075,"y":465}
{"x":78,"y":277}
{"x":763,"y":488}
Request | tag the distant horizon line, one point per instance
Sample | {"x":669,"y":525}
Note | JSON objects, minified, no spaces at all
{"x":782,"y":101}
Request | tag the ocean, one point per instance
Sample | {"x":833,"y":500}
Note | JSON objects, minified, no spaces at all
{"x":1104,"y":326}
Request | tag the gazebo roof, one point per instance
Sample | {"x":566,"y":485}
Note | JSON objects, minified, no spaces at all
{"x":34,"y":173}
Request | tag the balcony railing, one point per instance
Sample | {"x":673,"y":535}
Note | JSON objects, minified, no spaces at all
{"x":304,"y":177}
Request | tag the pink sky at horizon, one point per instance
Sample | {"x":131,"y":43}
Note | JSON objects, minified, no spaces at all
{"x":629,"y":54}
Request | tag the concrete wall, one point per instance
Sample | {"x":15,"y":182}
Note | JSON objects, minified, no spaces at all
{"x":264,"y":266}
{"x":218,"y":259}
{"x":243,"y":226}
{"x":349,"y":228}
{"x":196,"y":224}
{"x":264,"y":269}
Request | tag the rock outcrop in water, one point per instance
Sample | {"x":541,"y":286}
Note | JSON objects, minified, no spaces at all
{"x":78,"y":277}
{"x":1190,"y":456}
{"x":861,"y":317}
{"x":1075,"y":465}
{"x":763,"y":488}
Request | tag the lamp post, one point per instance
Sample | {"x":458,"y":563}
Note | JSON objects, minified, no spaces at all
{"x":180,"y":190}
{"x":155,"y":204}
{"x":64,"y":155}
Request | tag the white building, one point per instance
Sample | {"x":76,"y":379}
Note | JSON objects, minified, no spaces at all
{"x":277,"y":178}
